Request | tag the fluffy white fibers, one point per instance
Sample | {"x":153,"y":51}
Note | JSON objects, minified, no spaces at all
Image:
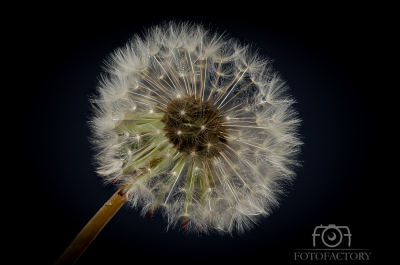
{"x":195,"y":126}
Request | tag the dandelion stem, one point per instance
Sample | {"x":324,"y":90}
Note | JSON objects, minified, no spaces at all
{"x":92,"y":229}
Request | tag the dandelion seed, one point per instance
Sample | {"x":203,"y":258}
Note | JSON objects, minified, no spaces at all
{"x":214,"y":103}
{"x":214,"y":136}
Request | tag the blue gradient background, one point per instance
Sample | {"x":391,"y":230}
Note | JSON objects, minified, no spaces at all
{"x":325,"y":61}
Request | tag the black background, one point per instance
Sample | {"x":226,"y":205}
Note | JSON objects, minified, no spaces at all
{"x":324,"y":54}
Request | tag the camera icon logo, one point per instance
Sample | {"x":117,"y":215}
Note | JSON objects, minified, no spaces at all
{"x":331,"y":235}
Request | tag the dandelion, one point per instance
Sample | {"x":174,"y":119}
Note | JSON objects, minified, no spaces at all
{"x":190,"y":124}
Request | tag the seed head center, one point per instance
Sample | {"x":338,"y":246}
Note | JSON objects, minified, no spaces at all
{"x":195,"y":127}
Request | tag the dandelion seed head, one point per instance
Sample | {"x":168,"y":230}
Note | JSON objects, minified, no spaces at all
{"x":195,"y":126}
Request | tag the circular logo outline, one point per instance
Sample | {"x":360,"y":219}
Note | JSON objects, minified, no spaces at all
{"x":340,"y":233}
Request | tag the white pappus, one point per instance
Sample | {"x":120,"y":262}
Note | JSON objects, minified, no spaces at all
{"x":195,"y":126}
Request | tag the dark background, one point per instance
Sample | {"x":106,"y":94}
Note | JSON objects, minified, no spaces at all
{"x":324,"y":54}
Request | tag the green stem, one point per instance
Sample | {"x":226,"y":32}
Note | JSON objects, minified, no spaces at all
{"x":151,"y":152}
{"x":149,"y":126}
